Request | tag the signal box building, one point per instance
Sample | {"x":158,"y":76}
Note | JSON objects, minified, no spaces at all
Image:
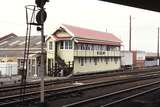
{"x":74,"y":50}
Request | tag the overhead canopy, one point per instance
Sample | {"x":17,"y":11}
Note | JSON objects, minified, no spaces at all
{"x":153,"y":5}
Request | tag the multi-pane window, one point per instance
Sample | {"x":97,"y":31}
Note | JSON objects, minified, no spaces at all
{"x":50,"y":45}
{"x":66,"y":45}
{"x":82,"y":46}
{"x":96,"y":47}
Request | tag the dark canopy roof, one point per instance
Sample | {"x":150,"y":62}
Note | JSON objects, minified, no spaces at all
{"x":153,"y":5}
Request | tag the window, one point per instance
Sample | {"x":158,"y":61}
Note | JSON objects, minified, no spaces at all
{"x":95,"y":61}
{"x":88,"y":47}
{"x":112,"y":59}
{"x":66,"y":44}
{"x":82,"y":47}
{"x":85,"y":60}
{"x":20,"y":62}
{"x":101,"y":47}
{"x":116,"y":60}
{"x":82,"y":63}
{"x":90,"y":60}
{"x":111,"y":48}
{"x":76,"y":46}
{"x":92,"y":47}
{"x":108,"y":48}
{"x":70,"y":44}
{"x":79,"y":46}
{"x":106,"y":60}
{"x":101,"y":59}
{"x":61,"y":45}
{"x":33,"y":62}
{"x":50,"y":45}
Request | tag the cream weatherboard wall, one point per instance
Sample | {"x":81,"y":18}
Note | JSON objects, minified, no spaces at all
{"x":91,"y":67}
{"x":66,"y":54}
{"x":50,"y":52}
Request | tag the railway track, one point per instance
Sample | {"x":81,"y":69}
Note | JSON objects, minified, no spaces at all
{"x":69,"y":80}
{"x":5,"y":91}
{"x":113,"y":99}
{"x":67,"y":91}
{"x":89,"y":75}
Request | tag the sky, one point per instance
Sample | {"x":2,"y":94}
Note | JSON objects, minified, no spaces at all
{"x":92,"y":14}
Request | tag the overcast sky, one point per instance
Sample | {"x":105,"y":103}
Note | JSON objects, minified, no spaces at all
{"x":91,"y":14}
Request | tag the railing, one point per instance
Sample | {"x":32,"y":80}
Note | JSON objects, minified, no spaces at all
{"x":61,"y":68}
{"x":96,"y":53}
{"x":60,"y":71}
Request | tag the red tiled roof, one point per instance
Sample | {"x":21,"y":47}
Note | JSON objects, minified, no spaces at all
{"x":91,"y":34}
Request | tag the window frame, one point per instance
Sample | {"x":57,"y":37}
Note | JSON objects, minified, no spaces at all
{"x":50,"y":45}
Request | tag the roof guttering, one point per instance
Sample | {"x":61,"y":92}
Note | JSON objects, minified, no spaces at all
{"x":94,"y":41}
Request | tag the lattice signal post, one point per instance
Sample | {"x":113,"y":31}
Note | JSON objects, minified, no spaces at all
{"x":38,"y":10}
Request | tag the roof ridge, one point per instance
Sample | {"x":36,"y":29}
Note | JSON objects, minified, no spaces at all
{"x":86,"y":28}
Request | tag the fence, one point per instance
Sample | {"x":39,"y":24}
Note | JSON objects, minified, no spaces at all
{"x":8,"y":68}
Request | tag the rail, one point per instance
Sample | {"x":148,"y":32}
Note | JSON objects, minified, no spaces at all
{"x":32,"y":96}
{"x":107,"y":96}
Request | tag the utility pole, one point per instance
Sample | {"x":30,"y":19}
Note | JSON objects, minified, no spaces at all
{"x":42,"y":70}
{"x":40,"y":18}
{"x":158,"y":61}
{"x":130,"y":22}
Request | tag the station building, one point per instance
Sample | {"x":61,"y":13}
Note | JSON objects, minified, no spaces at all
{"x":74,"y":50}
{"x":12,"y":54}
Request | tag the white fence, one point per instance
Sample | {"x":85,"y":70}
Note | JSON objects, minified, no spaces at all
{"x":151,"y":63}
{"x":8,"y":68}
